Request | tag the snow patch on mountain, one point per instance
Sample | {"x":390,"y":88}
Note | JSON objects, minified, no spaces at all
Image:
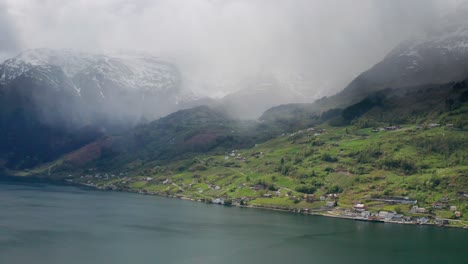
{"x":146,"y":73}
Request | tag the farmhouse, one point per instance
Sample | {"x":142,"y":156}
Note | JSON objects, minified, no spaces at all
{"x":359,"y":207}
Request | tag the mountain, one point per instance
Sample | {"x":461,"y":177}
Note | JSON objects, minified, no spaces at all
{"x":259,"y":93}
{"x":179,"y":135}
{"x":436,"y":57}
{"x":53,"y":101}
{"x":118,"y":87}
{"x":396,"y":145}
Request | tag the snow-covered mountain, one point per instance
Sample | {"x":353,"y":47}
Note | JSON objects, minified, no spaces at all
{"x":437,"y":56}
{"x":115,"y":87}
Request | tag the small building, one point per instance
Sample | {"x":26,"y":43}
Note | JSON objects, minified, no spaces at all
{"x":383,"y":214}
{"x":438,"y":206}
{"x":398,"y":217}
{"x":167,"y":181}
{"x":309,"y":198}
{"x":422,"y":220}
{"x":365,"y":214}
{"x":453,"y":208}
{"x":258,"y":187}
{"x":441,"y":221}
{"x":359,"y":207}
{"x":458,"y":214}
{"x":267,"y":195}
{"x":217,"y":188}
{"x":418,"y":210}
{"x":421,"y":210}
{"x":323,"y":198}
{"x":330,"y":204}
{"x":218,"y":201}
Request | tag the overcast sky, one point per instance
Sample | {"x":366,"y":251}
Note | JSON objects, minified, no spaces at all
{"x":324,"y":43}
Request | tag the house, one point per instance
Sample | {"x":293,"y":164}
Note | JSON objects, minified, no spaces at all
{"x":359,"y":207}
{"x":217,"y":188}
{"x":383,"y":214}
{"x":323,"y":198}
{"x":453,"y":208}
{"x":167,"y":181}
{"x":365,"y":214}
{"x":330,"y":204}
{"x":422,"y":220}
{"x":441,"y":221}
{"x":309,"y":198}
{"x":398,"y":217}
{"x":421,"y":210}
{"x":397,"y":200}
{"x":218,"y":201}
{"x":258,"y":187}
{"x":418,"y":210}
{"x":438,"y":206}
{"x":458,"y":214}
{"x":387,"y":216}
{"x":267,"y":195}
{"x":389,"y":128}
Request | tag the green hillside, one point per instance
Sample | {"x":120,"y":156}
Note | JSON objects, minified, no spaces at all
{"x":396,"y":143}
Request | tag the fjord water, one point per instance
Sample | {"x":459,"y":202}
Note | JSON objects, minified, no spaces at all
{"x":42,"y":223}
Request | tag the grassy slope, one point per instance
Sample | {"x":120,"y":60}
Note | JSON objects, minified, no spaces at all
{"x":423,"y":164}
{"x":360,"y":163}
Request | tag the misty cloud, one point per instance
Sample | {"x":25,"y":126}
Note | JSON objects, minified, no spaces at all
{"x":320,"y":44}
{"x":8,"y":38}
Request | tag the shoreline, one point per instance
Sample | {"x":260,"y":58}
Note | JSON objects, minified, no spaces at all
{"x":324,"y":213}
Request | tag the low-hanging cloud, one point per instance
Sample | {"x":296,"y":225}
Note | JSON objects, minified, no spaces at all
{"x":218,"y":43}
{"x":8,"y":38}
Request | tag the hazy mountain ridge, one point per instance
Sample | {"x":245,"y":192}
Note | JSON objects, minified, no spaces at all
{"x":49,"y":97}
{"x":98,"y":90}
{"x":436,"y":57}
{"x":105,"y":84}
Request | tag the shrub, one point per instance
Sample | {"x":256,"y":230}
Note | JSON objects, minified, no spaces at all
{"x":328,"y":158}
{"x":306,"y":189}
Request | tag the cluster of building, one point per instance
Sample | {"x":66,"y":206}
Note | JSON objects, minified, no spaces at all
{"x":310,"y":131}
{"x":434,"y":125}
{"x":388,"y":128}
{"x":235,"y":154}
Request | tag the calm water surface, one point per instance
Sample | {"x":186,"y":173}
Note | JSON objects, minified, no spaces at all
{"x":56,"y":224}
